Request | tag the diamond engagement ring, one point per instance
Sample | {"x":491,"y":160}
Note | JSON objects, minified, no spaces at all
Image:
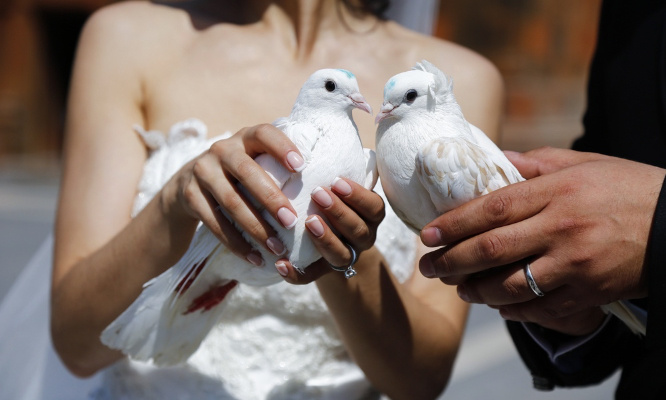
{"x":531,"y":282}
{"x":349,"y":269}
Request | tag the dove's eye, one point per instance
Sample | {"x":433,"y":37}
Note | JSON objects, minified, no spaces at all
{"x":411,"y":95}
{"x":330,"y":86}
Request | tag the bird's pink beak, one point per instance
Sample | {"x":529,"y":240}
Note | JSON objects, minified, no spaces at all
{"x":384,"y":112}
{"x":360,"y":103}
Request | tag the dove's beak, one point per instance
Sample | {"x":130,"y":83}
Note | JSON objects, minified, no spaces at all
{"x":360,"y":103}
{"x":384,"y":112}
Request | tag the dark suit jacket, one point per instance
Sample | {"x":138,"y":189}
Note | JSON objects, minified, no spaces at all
{"x":625,"y":117}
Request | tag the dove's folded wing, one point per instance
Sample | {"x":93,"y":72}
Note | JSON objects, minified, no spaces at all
{"x":304,"y":136}
{"x":454,"y":171}
{"x":498,"y":156}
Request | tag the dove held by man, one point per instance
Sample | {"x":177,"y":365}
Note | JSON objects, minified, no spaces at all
{"x":178,"y":308}
{"x":431,"y":160}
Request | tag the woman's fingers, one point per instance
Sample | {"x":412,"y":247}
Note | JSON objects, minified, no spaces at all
{"x":332,"y":248}
{"x":304,"y":276}
{"x":353,"y":214}
{"x":367,"y":204}
{"x":352,"y":211}
{"x":239,"y":167}
{"x":236,"y":186}
{"x":266,"y":138}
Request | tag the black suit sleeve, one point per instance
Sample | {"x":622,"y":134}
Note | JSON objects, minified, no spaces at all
{"x":596,"y":359}
{"x":615,"y":345}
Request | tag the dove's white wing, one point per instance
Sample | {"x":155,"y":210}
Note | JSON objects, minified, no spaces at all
{"x":498,"y":156}
{"x":303,"y":135}
{"x":455,"y":170}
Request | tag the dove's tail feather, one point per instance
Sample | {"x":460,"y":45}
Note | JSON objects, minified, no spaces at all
{"x":164,"y":323}
{"x":620,"y":310}
{"x":181,"y":331}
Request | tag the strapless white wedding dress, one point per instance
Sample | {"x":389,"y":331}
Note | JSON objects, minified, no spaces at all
{"x":275,"y":342}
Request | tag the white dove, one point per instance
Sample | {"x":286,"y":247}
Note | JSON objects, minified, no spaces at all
{"x":431,"y":160}
{"x":177,"y":309}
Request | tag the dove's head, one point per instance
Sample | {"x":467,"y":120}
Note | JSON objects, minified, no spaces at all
{"x":332,"y":90}
{"x":420,"y":89}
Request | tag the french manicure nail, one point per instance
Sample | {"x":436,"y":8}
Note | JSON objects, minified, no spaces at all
{"x":314,"y":225}
{"x":296,"y":161}
{"x":322,"y":197}
{"x":281,"y":268}
{"x":286,"y":217}
{"x":276,"y":246}
{"x":341,"y":187}
{"x":255,"y":259}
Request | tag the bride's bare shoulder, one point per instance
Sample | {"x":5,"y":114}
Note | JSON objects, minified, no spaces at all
{"x":463,"y":64}
{"x":478,"y":85}
{"x":151,"y":21}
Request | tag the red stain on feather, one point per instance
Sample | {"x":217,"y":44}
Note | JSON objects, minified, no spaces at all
{"x":187,"y":281}
{"x":211,"y":298}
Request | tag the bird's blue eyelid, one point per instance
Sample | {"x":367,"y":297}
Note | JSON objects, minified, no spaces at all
{"x":349,"y":74}
{"x":389,"y":86}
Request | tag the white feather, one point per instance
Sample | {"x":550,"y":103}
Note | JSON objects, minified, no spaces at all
{"x":177,"y":309}
{"x":431,"y":160}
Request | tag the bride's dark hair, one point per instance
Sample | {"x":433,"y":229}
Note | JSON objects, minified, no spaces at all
{"x":375,"y":7}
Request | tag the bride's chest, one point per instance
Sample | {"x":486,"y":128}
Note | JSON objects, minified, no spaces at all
{"x":230,"y":97}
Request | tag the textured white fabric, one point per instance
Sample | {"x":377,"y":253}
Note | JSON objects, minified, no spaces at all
{"x":276,"y":342}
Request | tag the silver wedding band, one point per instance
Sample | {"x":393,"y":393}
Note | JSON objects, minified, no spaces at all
{"x":349,"y":269}
{"x":531,"y":281}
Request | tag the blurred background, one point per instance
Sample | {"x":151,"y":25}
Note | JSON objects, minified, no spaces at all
{"x":542,"y":48}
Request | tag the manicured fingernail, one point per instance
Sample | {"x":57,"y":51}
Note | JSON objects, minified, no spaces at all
{"x":315,"y":226}
{"x":431,"y":237}
{"x":426,"y":268}
{"x":322,"y":197}
{"x":342,"y":187}
{"x":296,"y":161}
{"x":255,"y":259}
{"x":281,"y":268}
{"x":276,"y":246}
{"x":462,"y":293}
{"x":286,"y":217}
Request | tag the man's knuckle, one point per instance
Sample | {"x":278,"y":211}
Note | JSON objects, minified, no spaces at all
{"x":444,"y":266}
{"x":498,"y":208}
{"x":490,"y":247}
{"x":513,"y":289}
{"x":550,"y":312}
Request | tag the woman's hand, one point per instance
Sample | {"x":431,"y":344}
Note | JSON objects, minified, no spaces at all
{"x":207,"y":189}
{"x":354,"y":212}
